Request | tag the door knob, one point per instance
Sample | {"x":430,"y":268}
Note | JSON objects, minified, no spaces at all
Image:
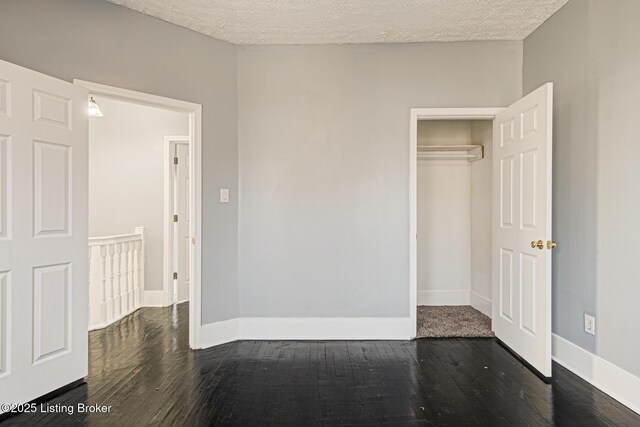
{"x":551,"y":244}
{"x":539,"y":244}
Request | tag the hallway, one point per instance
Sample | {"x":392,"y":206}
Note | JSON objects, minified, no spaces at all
{"x":143,"y":368}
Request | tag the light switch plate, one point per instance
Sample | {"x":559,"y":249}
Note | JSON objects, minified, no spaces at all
{"x":224,"y":195}
{"x":589,"y":324}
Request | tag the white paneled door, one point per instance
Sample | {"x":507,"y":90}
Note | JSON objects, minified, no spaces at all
{"x":43,"y":233}
{"x":522,"y":227}
{"x":182,"y":244}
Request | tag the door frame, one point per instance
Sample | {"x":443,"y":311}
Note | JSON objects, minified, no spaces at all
{"x":428,"y":114}
{"x":194,"y":112}
{"x":170,"y":143}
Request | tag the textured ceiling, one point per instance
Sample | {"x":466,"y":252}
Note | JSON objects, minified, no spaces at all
{"x":352,"y":21}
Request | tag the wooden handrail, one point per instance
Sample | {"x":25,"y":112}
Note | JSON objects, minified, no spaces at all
{"x":119,"y":238}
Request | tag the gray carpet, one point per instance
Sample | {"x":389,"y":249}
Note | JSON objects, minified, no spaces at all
{"x":452,"y":321}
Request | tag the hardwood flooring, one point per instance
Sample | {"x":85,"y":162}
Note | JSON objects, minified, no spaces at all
{"x":142,"y":367}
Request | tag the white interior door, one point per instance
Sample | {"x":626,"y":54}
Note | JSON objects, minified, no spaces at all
{"x":43,"y":233}
{"x":181,"y":227}
{"x":522,"y":227}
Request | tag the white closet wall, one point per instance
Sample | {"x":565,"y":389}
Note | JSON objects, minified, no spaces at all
{"x":444,"y":221}
{"x":481,"y":193}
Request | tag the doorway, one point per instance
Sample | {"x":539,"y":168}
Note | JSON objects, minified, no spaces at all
{"x":454,"y":195}
{"x":444,"y":136}
{"x":521,"y":207}
{"x":190,"y":198}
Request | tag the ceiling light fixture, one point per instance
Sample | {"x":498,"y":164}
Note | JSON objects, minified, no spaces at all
{"x":94,"y":108}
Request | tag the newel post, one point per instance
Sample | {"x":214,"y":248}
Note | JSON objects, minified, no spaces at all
{"x":97,"y":311}
{"x":139,"y":291}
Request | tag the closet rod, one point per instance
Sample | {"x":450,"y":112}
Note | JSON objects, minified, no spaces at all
{"x":470,"y":153}
{"x":451,"y":156}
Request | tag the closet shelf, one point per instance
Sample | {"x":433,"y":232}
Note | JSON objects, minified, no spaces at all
{"x":471,"y":153}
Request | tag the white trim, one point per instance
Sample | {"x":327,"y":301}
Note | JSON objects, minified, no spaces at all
{"x":455,"y":297}
{"x":99,"y":326}
{"x":153,"y":299}
{"x":137,"y":97}
{"x":167,"y":277}
{"x":217,"y":333}
{"x":336,"y":328}
{"x":480,"y":303}
{"x":428,"y":114}
{"x":612,"y":380}
{"x":195,"y":178}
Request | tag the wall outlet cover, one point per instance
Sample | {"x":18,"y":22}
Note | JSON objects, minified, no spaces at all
{"x":589,"y":324}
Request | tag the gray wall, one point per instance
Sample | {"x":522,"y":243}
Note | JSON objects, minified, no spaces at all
{"x":324,"y":166}
{"x":589,"y":49}
{"x":101,"y":42}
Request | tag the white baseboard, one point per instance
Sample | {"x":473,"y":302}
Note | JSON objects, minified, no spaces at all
{"x":480,"y":303}
{"x":444,"y":297}
{"x":153,"y":299}
{"x":261,"y":328}
{"x":378,"y":328}
{"x":218,"y":333}
{"x":614,"y":381}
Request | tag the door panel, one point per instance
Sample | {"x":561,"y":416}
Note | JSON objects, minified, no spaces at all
{"x":506,"y":284}
{"x":5,"y":142}
{"x":51,"y":315}
{"x":43,"y":233}
{"x":52,"y":182}
{"x":522,"y":185}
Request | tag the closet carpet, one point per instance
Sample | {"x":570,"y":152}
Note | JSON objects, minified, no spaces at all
{"x":452,"y":321}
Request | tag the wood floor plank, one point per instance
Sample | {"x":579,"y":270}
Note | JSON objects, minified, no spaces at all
{"x":142,"y":366}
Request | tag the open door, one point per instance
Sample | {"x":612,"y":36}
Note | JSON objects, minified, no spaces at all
{"x":43,"y":234}
{"x":522,"y":227}
{"x":182,"y":241}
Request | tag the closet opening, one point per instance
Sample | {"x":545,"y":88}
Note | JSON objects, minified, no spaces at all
{"x":453,"y":209}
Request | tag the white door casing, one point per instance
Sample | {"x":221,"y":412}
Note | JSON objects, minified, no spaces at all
{"x":182,"y":226}
{"x":43,"y":233}
{"x":417,"y":114}
{"x":522,"y":153}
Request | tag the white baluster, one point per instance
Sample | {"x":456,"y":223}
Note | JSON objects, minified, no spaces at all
{"x":141,"y":265}
{"x":123,"y":278}
{"x":108,"y":261}
{"x":117,"y":294}
{"x":130,"y":304}
{"x":103,"y":284}
{"x":136,"y":274}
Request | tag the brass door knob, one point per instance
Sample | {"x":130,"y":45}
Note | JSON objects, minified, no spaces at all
{"x":551,"y":244}
{"x":539,"y":244}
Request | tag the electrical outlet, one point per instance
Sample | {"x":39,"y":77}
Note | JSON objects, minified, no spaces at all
{"x":589,"y":324}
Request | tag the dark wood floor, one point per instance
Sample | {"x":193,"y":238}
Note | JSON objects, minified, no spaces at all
{"x":144,"y":369}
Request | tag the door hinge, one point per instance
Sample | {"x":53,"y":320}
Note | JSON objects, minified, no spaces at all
{"x":175,"y":218}
{"x":175,"y":275}
{"x":175,"y":160}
